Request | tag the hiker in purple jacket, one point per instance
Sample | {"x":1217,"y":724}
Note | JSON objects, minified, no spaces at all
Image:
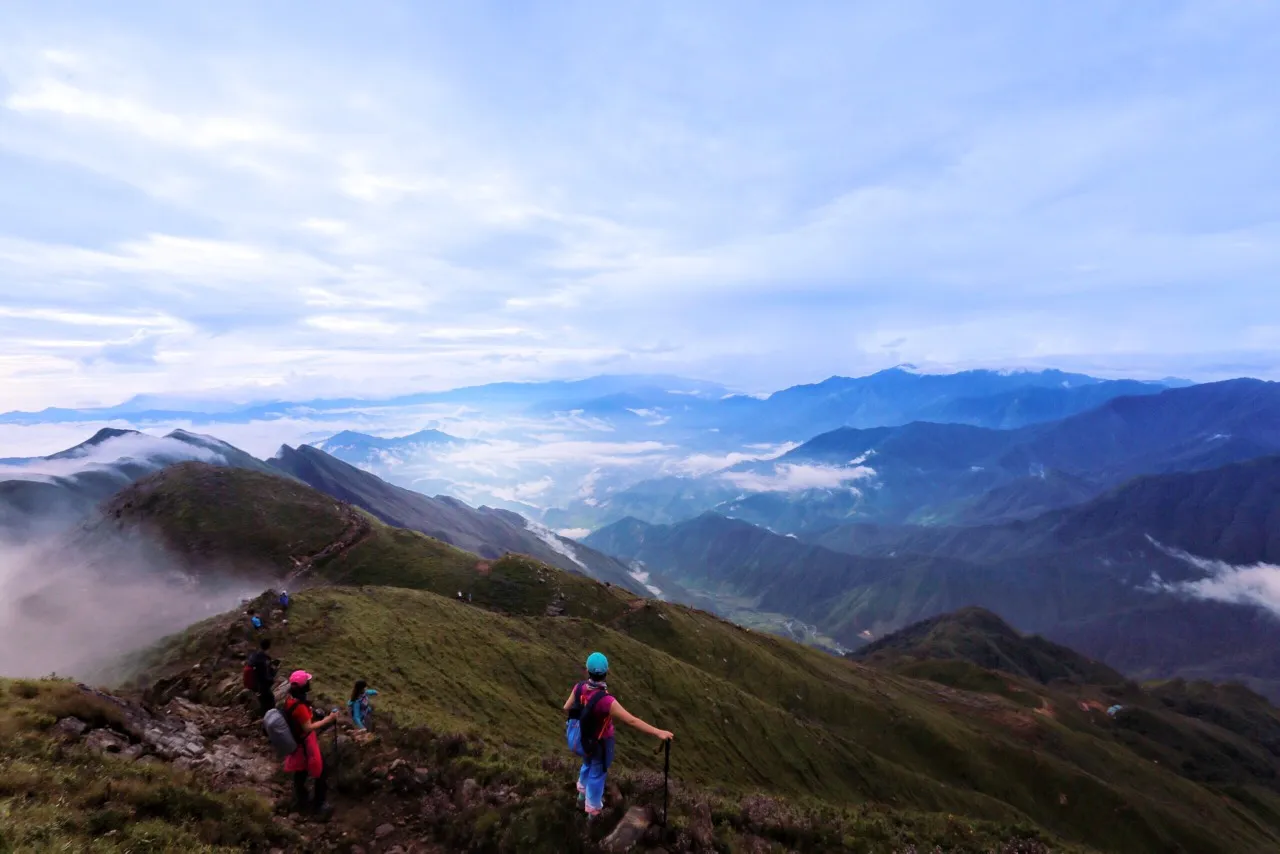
{"x":591,"y":711}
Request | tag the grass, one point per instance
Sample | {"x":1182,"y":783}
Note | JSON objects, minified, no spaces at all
{"x":59,"y":797}
{"x":754,"y":715}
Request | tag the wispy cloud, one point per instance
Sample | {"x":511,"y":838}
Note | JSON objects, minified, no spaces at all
{"x":132,"y":447}
{"x":294,"y":206}
{"x":700,"y":464}
{"x":790,"y":477}
{"x":1250,"y":584}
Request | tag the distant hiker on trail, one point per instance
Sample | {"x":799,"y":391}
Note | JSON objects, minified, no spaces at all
{"x":260,"y":676}
{"x":306,"y":761}
{"x":591,"y":710}
{"x":255,"y":620}
{"x":284,"y":602}
{"x":361,"y":708}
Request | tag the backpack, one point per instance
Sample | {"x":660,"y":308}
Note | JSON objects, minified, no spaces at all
{"x":581,"y":732}
{"x":279,"y":729}
{"x":250,"y":677}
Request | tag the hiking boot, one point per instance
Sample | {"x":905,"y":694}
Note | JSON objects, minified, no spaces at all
{"x":323,"y":811}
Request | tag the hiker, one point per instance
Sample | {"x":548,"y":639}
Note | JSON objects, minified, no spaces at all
{"x":255,"y":620}
{"x":284,"y":602}
{"x":261,"y":668}
{"x":307,"y":760}
{"x":591,"y":710}
{"x":361,"y":708}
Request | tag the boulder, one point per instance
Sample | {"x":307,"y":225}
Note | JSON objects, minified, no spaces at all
{"x":70,"y":728}
{"x":384,"y":830}
{"x":106,"y":741}
{"x":629,"y":831}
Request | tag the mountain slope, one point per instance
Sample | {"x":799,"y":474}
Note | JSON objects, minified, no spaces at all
{"x":754,"y":715}
{"x":487,"y":532}
{"x":1228,"y":513}
{"x":979,"y":637}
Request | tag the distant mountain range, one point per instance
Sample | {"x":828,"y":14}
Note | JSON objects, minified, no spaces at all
{"x":1128,"y":578}
{"x":932,"y":473}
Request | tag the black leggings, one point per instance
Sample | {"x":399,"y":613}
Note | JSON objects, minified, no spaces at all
{"x":321,"y":789}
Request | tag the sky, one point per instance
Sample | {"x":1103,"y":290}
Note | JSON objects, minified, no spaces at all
{"x":250,"y":200}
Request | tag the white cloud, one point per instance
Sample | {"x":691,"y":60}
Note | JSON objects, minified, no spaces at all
{"x":960,"y":209}
{"x":791,"y":477}
{"x":113,"y":451}
{"x":700,"y":464}
{"x":1251,"y":584}
{"x":526,"y":493}
{"x":556,"y":544}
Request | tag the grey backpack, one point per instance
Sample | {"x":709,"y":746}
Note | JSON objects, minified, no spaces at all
{"x":279,"y":733}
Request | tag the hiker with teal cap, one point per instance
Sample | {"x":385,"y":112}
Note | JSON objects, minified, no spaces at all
{"x":591,"y":711}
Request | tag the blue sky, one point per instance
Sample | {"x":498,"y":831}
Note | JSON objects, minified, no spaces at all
{"x":288,"y":199}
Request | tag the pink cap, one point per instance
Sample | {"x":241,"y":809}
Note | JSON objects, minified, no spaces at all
{"x":299,"y":677}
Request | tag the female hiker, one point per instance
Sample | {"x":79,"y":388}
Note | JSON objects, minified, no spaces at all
{"x":591,"y":711}
{"x":361,"y":708}
{"x":306,"y":761}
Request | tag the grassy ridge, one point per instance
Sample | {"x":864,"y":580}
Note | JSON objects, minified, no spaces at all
{"x":767,"y":715}
{"x":752,"y":713}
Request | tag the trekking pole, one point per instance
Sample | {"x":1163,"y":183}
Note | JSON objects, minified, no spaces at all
{"x":335,"y":750}
{"x":666,"y":777}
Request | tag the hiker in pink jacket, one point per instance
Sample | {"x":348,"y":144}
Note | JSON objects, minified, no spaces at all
{"x":307,"y":760}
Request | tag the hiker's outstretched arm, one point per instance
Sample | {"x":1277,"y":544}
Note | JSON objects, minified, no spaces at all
{"x":631,"y":720}
{"x":569,"y":702}
{"x":313,"y":725}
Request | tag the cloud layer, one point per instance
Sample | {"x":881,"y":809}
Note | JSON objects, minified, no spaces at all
{"x":406,"y":196}
{"x":1252,"y":584}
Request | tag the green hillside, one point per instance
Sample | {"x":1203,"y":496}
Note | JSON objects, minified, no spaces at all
{"x":753,"y":714}
{"x":978,"y":637}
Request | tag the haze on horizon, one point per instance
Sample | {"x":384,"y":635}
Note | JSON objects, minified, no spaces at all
{"x":365,"y":199}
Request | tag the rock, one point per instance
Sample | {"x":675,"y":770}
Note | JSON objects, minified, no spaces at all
{"x":701,"y":828}
{"x":70,"y":728}
{"x":106,"y":741}
{"x":469,"y":793}
{"x":358,"y":849}
{"x":384,"y":830}
{"x":629,"y":831}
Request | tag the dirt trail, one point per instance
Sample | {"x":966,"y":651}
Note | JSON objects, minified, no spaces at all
{"x":358,"y":529}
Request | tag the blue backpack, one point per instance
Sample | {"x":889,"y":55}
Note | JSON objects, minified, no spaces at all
{"x":581,"y":731}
